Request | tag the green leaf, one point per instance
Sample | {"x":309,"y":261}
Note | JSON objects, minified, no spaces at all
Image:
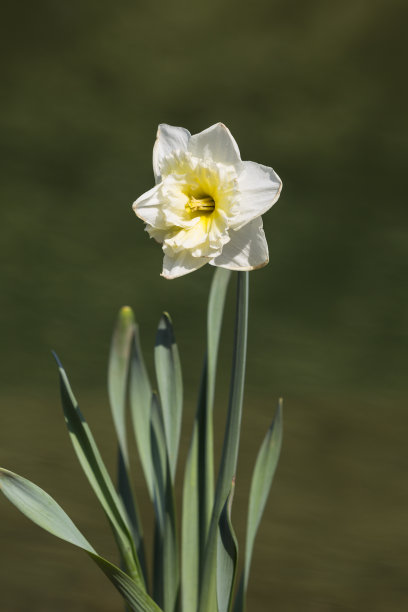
{"x":265,"y":468}
{"x":98,"y":476}
{"x":198,"y":487}
{"x":140,"y":400}
{"x":43,"y":510}
{"x":40,"y":508}
{"x":118,"y":374}
{"x":132,"y":512}
{"x":118,"y":369}
{"x":170,"y":383}
{"x":227,"y":556}
{"x":166,"y":557}
{"x":159,"y":459}
{"x":134,"y":595}
{"x":231,"y":442}
{"x":262,"y":478}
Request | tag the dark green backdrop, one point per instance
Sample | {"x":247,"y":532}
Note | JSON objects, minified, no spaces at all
{"x":318,"y":91}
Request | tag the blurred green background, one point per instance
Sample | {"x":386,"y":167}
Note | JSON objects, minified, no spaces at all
{"x":318,"y":91}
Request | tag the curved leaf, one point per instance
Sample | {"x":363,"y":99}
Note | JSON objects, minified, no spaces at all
{"x":227,"y":556}
{"x":43,"y":510}
{"x":118,"y":369}
{"x":170,"y":383}
{"x":98,"y":476}
{"x":264,"y":471}
{"x":118,"y":376}
{"x":166,"y":553}
{"x":262,"y":477}
{"x":140,"y":400}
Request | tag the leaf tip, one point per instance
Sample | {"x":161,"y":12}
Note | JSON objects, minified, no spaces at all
{"x":57,"y":359}
{"x":126,"y":314}
{"x":165,"y":333}
{"x":165,"y":320}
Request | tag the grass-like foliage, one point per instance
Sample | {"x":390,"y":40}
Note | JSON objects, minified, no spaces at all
{"x":194,"y":570}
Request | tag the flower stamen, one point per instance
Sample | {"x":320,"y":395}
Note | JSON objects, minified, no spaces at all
{"x":204,"y":204}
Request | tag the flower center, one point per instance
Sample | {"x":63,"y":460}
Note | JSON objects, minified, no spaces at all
{"x":204,"y":204}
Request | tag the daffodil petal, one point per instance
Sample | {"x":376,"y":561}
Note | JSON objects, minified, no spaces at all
{"x":148,"y":208}
{"x":215,"y":143}
{"x":259,"y":188}
{"x":159,"y":235}
{"x":178,"y":264}
{"x":247,"y":249}
{"x":169,"y":139}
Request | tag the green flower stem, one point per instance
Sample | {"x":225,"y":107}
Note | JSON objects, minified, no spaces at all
{"x":216,"y":303}
{"x":207,"y":602}
{"x":198,"y":488}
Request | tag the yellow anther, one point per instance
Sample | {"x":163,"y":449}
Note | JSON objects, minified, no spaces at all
{"x":205,"y":204}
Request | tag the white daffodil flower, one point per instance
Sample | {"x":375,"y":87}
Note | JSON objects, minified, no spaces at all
{"x":207,"y":204}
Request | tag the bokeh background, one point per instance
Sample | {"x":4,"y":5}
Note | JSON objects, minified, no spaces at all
{"x":318,"y":91}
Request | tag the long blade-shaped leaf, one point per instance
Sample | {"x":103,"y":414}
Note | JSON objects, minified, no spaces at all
{"x":265,"y":468}
{"x":98,"y":476}
{"x":198,"y":489}
{"x":140,"y":400}
{"x":118,"y":374}
{"x":159,"y":459}
{"x":132,"y":512}
{"x":229,"y":456}
{"x":171,"y":550}
{"x":134,"y":595}
{"x":170,"y":383}
{"x":166,"y":560}
{"x":262,"y":477}
{"x":118,"y":369}
{"x":227,"y":556}
{"x":43,"y":510}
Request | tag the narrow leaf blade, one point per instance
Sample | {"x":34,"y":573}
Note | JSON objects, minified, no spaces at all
{"x":118,"y":369}
{"x":227,"y":556}
{"x":135,"y":596}
{"x":118,"y":376}
{"x":262,"y":478}
{"x":166,"y":561}
{"x":170,"y":383}
{"x":140,"y":400}
{"x":43,"y":510}
{"x":98,"y":476}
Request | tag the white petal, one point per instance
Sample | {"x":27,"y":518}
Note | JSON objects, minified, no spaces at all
{"x":159,"y":235}
{"x":259,"y":188}
{"x":247,"y":249}
{"x":216,"y":143}
{"x":169,"y":139}
{"x":148,"y":208}
{"x":178,"y":264}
